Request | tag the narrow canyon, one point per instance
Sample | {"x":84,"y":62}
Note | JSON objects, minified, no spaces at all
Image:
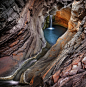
{"x":32,"y":54}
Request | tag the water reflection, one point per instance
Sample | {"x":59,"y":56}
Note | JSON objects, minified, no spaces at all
{"x":51,"y":35}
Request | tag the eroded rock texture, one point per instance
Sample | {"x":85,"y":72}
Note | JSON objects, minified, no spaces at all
{"x":22,"y":40}
{"x":70,"y":70}
{"x":21,"y":35}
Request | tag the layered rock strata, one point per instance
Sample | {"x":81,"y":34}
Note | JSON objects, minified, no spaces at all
{"x":21,"y":40}
{"x":45,"y":65}
{"x":21,"y":35}
{"x":70,"y":71}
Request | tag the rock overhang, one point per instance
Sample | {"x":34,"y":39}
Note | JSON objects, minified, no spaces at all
{"x":30,"y":20}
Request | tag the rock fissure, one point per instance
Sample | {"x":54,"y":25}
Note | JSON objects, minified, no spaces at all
{"x":30,"y":58}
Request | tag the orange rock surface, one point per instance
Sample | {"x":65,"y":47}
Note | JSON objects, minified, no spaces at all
{"x":62,"y":17}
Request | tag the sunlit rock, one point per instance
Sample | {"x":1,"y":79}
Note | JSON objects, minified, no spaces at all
{"x":62,"y":17}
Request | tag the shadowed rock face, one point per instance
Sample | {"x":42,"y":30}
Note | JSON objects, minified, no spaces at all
{"x":21,"y":35}
{"x":22,"y":39}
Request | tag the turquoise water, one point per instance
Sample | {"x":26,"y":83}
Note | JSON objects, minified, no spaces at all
{"x":51,"y":35}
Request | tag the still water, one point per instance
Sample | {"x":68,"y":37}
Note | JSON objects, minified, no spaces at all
{"x":51,"y":36}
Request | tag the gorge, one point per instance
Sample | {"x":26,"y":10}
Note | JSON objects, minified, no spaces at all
{"x":26,"y":55}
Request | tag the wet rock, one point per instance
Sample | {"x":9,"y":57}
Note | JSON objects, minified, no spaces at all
{"x":27,"y":28}
{"x":77,"y":73}
{"x":16,"y":30}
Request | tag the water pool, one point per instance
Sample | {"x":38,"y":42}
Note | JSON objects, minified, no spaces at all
{"x":51,"y":36}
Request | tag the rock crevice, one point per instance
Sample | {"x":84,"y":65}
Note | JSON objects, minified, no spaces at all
{"x":22,"y":41}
